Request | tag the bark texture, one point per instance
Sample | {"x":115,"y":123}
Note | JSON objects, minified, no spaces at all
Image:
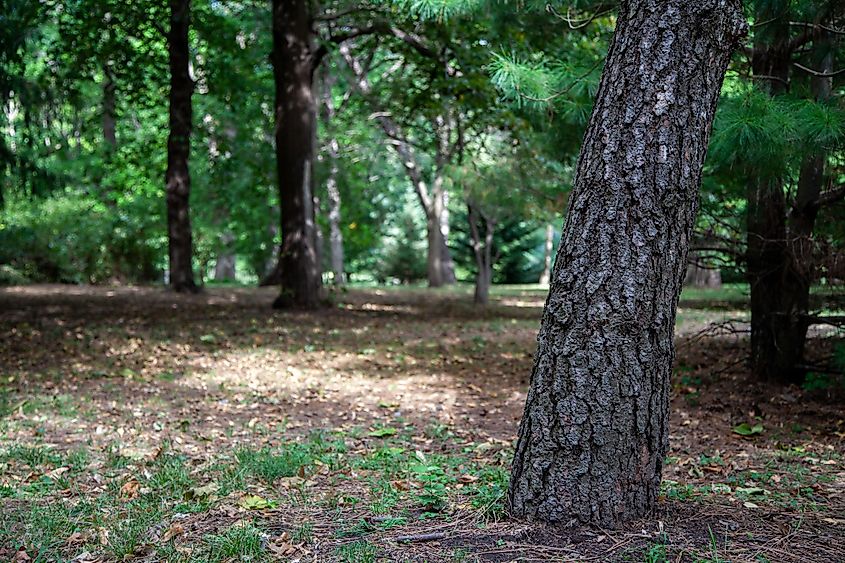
{"x":178,"y":178}
{"x":295,"y":133}
{"x":595,"y":428}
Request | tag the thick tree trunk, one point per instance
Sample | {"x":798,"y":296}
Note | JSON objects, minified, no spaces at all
{"x":295,"y":122}
{"x":178,"y":179}
{"x":595,"y":429}
{"x":546,"y":274}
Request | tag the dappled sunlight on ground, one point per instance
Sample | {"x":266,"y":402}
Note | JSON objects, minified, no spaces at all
{"x":134,"y":372}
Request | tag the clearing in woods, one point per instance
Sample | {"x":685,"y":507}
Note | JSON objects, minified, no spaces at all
{"x":139,"y":424}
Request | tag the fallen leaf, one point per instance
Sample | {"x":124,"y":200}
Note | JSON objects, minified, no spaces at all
{"x":255,"y":502}
{"x":382,"y":432}
{"x":130,"y":490}
{"x":746,"y":429}
{"x":174,"y":530}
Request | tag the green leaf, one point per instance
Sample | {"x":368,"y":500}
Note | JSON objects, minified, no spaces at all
{"x":255,"y":502}
{"x":746,"y":429}
{"x":382,"y":432}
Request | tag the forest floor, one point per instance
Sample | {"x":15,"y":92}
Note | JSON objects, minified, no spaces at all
{"x":140,"y":425}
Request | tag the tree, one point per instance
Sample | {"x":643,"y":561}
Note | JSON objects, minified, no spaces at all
{"x":432,"y":195}
{"x":177,"y":177}
{"x":779,"y":250}
{"x":295,"y":110}
{"x":595,"y":428}
{"x":332,"y":148}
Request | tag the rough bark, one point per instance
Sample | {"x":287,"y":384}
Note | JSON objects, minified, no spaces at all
{"x":178,"y":179}
{"x":295,"y":121}
{"x":548,"y":246}
{"x":595,"y":428}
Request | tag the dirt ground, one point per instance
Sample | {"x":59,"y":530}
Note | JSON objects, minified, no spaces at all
{"x":755,"y":472}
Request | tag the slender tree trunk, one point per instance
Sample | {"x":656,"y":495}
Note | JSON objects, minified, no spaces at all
{"x":595,"y":429}
{"x":446,"y":254}
{"x":336,"y":259}
{"x":109,"y":110}
{"x":546,"y":274}
{"x":335,"y":233}
{"x":178,"y":179}
{"x":295,"y":122}
{"x":482,"y":248}
{"x":776,"y":335}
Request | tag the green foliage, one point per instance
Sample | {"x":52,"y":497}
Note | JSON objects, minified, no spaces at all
{"x":241,"y":542}
{"x":405,"y":256}
{"x":76,"y":238}
{"x":269,"y":466}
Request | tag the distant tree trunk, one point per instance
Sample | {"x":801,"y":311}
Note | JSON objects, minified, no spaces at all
{"x":109,"y":110}
{"x":224,"y":267}
{"x":446,"y":254}
{"x":319,"y":238}
{"x":777,"y":337}
{"x":700,"y":275}
{"x":295,"y":122}
{"x":481,"y":228}
{"x":546,"y":274}
{"x":595,"y":429}
{"x":333,"y":153}
{"x":178,"y":179}
{"x":438,"y":260}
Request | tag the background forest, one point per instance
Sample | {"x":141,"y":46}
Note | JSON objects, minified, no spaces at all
{"x":385,"y":157}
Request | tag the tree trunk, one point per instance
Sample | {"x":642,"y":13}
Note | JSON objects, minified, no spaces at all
{"x":178,"y":179}
{"x":335,"y":233}
{"x":777,"y":331}
{"x":595,"y":428}
{"x":483,"y":252}
{"x":295,"y":122}
{"x":546,"y":274}
{"x":445,"y":254}
{"x":224,"y":267}
{"x":109,"y":110}
{"x":699,"y":275}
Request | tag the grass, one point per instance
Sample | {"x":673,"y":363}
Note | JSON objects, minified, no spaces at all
{"x":332,"y":434}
